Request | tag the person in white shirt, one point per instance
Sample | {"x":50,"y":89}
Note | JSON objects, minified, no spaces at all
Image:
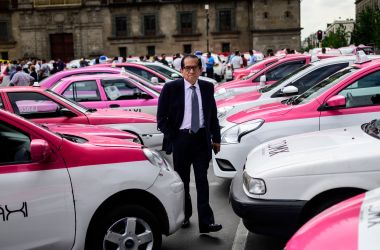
{"x":177,"y":62}
{"x":236,"y":61}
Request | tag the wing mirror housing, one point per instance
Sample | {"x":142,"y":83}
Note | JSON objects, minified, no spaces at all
{"x":334,"y":102}
{"x":39,"y":150}
{"x":67,"y":112}
{"x":175,"y":75}
{"x":263,"y":80}
{"x":154,"y":80}
{"x":290,"y":90}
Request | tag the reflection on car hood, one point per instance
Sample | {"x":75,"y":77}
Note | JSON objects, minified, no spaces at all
{"x":237,"y":99}
{"x":108,"y":116}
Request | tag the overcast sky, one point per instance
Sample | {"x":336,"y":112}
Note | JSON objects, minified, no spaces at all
{"x":315,"y":14}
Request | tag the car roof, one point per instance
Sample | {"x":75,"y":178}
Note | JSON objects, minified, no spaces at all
{"x":21,"y":89}
{"x":97,"y":76}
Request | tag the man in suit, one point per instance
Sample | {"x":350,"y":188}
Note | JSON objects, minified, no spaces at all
{"x":187,"y":116}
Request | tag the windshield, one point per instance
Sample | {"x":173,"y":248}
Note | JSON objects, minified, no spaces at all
{"x":279,"y":82}
{"x":372,"y":128}
{"x":73,"y":104}
{"x":167,"y":72}
{"x":141,"y":85}
{"x":324,"y":85}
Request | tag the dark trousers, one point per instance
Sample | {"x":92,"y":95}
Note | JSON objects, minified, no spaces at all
{"x":191,"y":149}
{"x":210,"y":72}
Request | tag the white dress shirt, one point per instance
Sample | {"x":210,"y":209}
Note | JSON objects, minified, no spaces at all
{"x":186,"y":122}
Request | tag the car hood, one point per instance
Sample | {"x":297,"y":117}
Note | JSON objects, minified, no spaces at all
{"x":260,"y":112}
{"x":80,"y":129}
{"x":108,"y":116}
{"x":101,"y":141}
{"x":234,"y":84}
{"x":325,"y":152}
{"x":351,"y":224}
{"x":240,"y":98}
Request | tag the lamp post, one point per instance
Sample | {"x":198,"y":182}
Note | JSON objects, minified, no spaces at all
{"x":207,"y":26}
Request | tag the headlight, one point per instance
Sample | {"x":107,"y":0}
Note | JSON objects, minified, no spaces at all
{"x":235,"y":133}
{"x":222,"y":112}
{"x":156,"y":159}
{"x":254,"y":185}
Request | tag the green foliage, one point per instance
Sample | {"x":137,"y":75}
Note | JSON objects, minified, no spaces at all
{"x":336,"y":39}
{"x":367,"y":28}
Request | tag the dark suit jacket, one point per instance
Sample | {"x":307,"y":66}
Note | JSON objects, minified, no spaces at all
{"x":170,"y":112}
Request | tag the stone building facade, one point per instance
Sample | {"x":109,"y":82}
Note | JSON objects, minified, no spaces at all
{"x":362,"y":4}
{"x":70,"y":29}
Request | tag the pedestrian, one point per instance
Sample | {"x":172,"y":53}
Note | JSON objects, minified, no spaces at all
{"x":187,"y":116}
{"x":245,"y":62}
{"x":236,"y":61}
{"x":44,"y":70}
{"x":21,"y":78}
{"x":163,"y":60}
{"x":203,"y":60}
{"x":54,"y":69}
{"x":177,"y":62}
{"x":210,"y":65}
{"x":252,"y":58}
{"x":33,"y":72}
{"x":142,"y":59}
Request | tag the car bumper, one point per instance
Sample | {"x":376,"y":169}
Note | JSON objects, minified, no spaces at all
{"x":268,"y":217}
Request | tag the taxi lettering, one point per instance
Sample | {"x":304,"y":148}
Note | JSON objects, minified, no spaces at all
{"x":373,"y":216}
{"x":277,"y":148}
{"x":134,"y":110}
{"x":6,"y":211}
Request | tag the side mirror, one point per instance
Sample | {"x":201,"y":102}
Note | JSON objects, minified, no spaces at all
{"x":175,"y":75}
{"x":154,"y":80}
{"x":334,"y":102}
{"x":39,"y":150}
{"x":290,"y":90}
{"x":263,"y":81}
{"x":67,"y":112}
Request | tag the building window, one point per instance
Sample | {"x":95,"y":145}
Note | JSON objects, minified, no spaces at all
{"x":225,"y":20}
{"x":4,"y":55}
{"x":123,"y":51}
{"x":150,"y":25}
{"x":151,"y":50}
{"x":186,"y":23}
{"x":266,"y":14}
{"x":4,"y":31}
{"x":226,"y":47}
{"x":121,"y":26}
{"x":187,"y":49}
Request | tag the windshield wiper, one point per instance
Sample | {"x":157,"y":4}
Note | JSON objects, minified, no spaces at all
{"x":92,"y":110}
{"x":372,"y":128}
{"x":290,"y":100}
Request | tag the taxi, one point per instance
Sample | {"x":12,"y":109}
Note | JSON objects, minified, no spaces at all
{"x":41,"y":106}
{"x":350,"y":225}
{"x":350,"y":96}
{"x":289,"y":180}
{"x":108,"y":91}
{"x":294,"y":84}
{"x":82,"y":192}
{"x":238,"y":74}
{"x":266,"y":76}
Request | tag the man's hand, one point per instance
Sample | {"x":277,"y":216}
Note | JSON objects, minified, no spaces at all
{"x":216,"y":147}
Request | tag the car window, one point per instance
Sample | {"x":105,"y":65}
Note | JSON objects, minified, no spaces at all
{"x":363,"y":92}
{"x":282,"y":70}
{"x":1,"y":103}
{"x":34,"y":105}
{"x":168,"y":73}
{"x":143,"y":73}
{"x":121,"y":89}
{"x":15,"y":145}
{"x":82,"y":91}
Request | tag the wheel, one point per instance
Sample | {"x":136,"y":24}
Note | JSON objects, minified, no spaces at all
{"x":129,"y":227}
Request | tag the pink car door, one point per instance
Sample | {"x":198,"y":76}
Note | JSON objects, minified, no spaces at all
{"x":362,"y":102}
{"x":85,"y":92}
{"x":37,"y":208}
{"x":123,"y":94}
{"x":41,"y":108}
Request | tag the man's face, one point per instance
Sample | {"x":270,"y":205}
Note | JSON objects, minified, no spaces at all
{"x":191,"y":71}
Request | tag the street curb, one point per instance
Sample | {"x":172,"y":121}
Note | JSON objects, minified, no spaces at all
{"x":240,"y":237}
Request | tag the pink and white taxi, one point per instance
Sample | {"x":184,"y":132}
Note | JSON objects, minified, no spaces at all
{"x":238,"y":74}
{"x":108,"y":91}
{"x":43,"y":106}
{"x":84,"y":192}
{"x":266,"y":76}
{"x":294,"y":84}
{"x":289,"y":180}
{"x":350,"y":96}
{"x":350,"y":225}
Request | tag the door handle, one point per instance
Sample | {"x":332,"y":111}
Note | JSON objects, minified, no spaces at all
{"x":114,"y":106}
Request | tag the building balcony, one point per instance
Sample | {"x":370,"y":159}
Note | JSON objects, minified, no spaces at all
{"x":56,"y":3}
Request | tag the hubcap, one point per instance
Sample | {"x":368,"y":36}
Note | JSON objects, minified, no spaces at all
{"x":129,"y":233}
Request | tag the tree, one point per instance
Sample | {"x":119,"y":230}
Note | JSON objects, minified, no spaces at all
{"x":367,"y":28}
{"x":337,"y":38}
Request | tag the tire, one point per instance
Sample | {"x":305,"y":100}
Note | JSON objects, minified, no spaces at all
{"x":109,"y":233}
